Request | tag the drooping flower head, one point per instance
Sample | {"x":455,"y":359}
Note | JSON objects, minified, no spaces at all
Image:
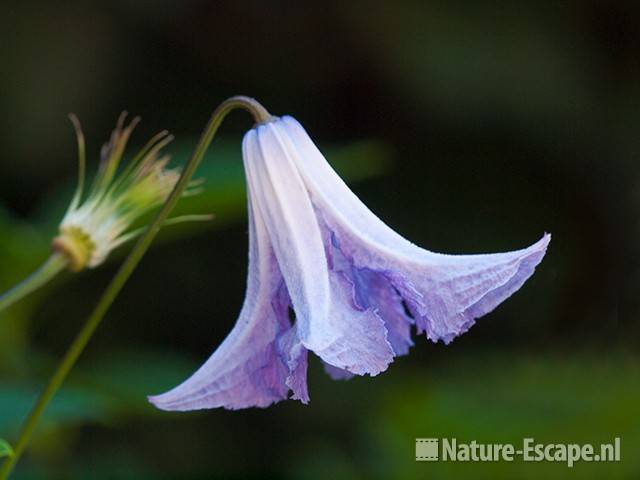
{"x":356,"y":287}
{"x":119,"y":195}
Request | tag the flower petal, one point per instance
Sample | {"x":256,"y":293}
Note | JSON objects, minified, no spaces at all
{"x":444,"y":292}
{"x":327,"y":321}
{"x":247,"y":369}
{"x":295,"y":356}
{"x":374,"y":290}
{"x":470,"y":286}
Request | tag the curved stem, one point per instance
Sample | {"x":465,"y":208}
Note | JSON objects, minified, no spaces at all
{"x":54,"y":265}
{"x":126,"y":269}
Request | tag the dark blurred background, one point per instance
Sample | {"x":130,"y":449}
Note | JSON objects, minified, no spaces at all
{"x":468,"y":127}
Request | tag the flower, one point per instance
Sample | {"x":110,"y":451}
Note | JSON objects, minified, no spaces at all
{"x":93,"y":227}
{"x":327,"y":276}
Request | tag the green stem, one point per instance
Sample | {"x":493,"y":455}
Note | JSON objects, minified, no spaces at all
{"x":54,"y":265}
{"x":84,"y":335}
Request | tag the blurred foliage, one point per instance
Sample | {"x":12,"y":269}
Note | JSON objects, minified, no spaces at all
{"x":5,"y":449}
{"x":577,"y":399}
{"x":477,"y":397}
{"x":503,"y":120}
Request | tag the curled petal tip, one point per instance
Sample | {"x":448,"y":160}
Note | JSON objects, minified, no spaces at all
{"x":545,"y":240}
{"x":481,"y":292}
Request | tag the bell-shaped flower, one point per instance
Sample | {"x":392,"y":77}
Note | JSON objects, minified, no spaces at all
{"x":328,"y":276}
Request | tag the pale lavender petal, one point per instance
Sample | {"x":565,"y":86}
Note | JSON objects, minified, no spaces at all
{"x":327,"y":322}
{"x":444,"y":292}
{"x":292,"y":228}
{"x":363,"y":347}
{"x":470,"y":286}
{"x":248,"y":368}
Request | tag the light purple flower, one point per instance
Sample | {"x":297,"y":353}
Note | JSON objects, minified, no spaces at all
{"x":355,"y":285}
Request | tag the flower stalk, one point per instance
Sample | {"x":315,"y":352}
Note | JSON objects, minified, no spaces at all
{"x":81,"y":340}
{"x":52,"y":267}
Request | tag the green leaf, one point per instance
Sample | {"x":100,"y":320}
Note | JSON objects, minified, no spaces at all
{"x":5,"y":449}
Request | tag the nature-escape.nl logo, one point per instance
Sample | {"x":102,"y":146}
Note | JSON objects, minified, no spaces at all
{"x":451,"y":450}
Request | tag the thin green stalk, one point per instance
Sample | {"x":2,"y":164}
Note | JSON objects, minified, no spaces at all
{"x":54,"y":265}
{"x":84,"y":335}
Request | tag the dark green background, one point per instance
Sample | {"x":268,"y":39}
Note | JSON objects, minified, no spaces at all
{"x":467,"y":126}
